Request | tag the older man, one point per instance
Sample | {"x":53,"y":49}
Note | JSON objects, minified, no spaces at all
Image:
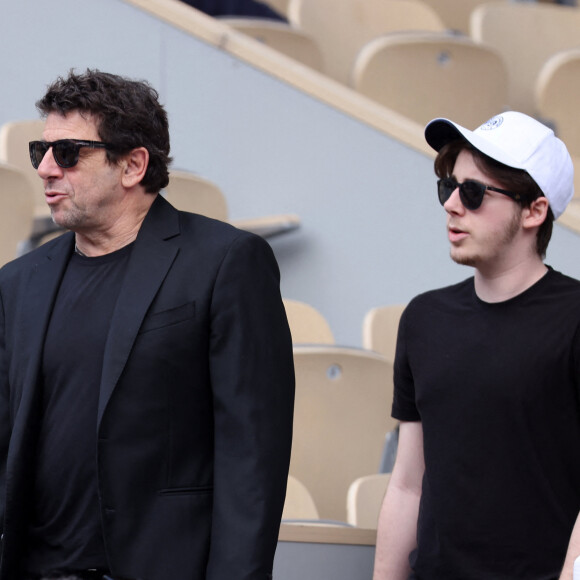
{"x":146,"y":374}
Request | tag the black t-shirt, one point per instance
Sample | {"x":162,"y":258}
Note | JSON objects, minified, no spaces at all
{"x":495,"y":387}
{"x":65,"y":529}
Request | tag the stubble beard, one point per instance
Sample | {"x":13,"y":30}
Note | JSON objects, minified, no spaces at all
{"x":494,"y":244}
{"x":67,"y":220}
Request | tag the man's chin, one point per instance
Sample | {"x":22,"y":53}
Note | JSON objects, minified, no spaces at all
{"x":462,"y":258}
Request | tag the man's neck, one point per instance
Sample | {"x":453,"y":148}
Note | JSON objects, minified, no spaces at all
{"x":501,"y":284}
{"x":117,"y":235}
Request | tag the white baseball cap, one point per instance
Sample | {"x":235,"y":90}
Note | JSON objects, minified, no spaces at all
{"x":521,"y":142}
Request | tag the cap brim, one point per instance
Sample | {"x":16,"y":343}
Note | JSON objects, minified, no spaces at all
{"x":439,"y":132}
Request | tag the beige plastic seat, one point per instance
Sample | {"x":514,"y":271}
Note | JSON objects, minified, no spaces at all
{"x":455,"y":13}
{"x":17,"y":212}
{"x":526,"y":34}
{"x":576,"y":163}
{"x":571,"y":217}
{"x":342,"y":27}
{"x":343,"y":397}
{"x":281,"y":6}
{"x":558,"y":96}
{"x":307,"y":324}
{"x":379,"y":329}
{"x":288,"y":40}
{"x":14,"y":138}
{"x":365,"y":498}
{"x":432,"y":75}
{"x":299,"y":504}
{"x":190,"y":192}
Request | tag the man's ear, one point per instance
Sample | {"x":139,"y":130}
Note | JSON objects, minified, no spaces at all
{"x":535,"y":215}
{"x":134,"y":165}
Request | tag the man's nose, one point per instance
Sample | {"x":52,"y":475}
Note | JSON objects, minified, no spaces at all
{"x":48,"y":167}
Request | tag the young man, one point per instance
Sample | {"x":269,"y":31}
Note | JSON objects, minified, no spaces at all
{"x":486,"y":484}
{"x":146,"y":369}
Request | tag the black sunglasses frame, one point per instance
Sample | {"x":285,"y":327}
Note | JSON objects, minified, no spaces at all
{"x":473,"y":199}
{"x":38,"y":149}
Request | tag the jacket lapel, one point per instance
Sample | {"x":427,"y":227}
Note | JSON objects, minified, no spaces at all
{"x":154,"y":251}
{"x":39,"y":295}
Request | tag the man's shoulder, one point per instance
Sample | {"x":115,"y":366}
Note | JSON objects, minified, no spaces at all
{"x":558,"y":290}
{"x":211,"y":233}
{"x":452,"y":293}
{"x":35,"y":257}
{"x":559,"y":279}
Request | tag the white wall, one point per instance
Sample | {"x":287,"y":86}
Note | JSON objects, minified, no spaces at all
{"x":372,"y":231}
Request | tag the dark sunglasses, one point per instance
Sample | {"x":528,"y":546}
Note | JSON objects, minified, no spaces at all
{"x":65,"y":151}
{"x":470,"y":192}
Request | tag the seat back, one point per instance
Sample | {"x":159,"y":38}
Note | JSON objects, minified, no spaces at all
{"x":365,"y":498}
{"x":307,"y":324}
{"x":343,"y":398}
{"x":464,"y":81}
{"x":14,"y":138}
{"x":342,"y":27}
{"x":380,"y":328}
{"x":281,"y":6}
{"x":526,"y":34}
{"x":17,"y":212}
{"x":299,"y":504}
{"x":288,"y":40}
{"x":576,"y":162}
{"x":558,"y":96}
{"x":455,"y":14}
{"x":190,"y":192}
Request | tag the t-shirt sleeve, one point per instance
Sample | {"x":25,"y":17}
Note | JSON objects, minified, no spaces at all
{"x":404,"y":406}
{"x":576,"y":358}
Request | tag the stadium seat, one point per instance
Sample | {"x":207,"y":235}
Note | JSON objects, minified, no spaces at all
{"x":281,"y":6}
{"x":307,"y":324}
{"x":343,"y":397}
{"x":526,"y":34}
{"x":14,"y":138}
{"x":284,"y":38}
{"x":342,"y":27}
{"x":379,"y":329}
{"x":16,"y":213}
{"x":299,"y":504}
{"x":365,"y":498}
{"x":455,"y":13}
{"x":190,"y":192}
{"x":427,"y":75}
{"x":558,"y":96}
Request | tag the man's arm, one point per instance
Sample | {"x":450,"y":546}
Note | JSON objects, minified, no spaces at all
{"x":5,"y":422}
{"x":252,"y":375}
{"x":397,"y":529}
{"x":573,"y":552}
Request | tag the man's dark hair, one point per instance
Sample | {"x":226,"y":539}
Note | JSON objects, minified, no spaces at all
{"x":127,"y":112}
{"x":514,"y":180}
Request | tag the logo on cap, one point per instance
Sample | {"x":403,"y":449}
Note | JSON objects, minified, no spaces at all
{"x":493,"y":123}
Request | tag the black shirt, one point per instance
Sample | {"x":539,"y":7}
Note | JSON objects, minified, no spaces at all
{"x":496,"y":388}
{"x":65,"y":529}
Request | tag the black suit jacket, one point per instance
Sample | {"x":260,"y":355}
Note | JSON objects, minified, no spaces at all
{"x":195,"y":407}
